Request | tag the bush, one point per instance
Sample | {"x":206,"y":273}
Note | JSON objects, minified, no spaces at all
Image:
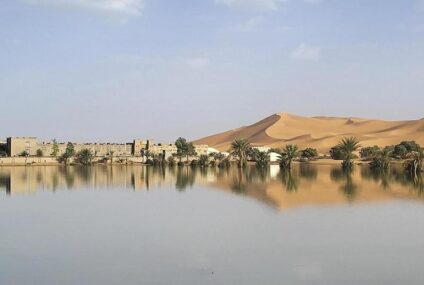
{"x":336,"y":153}
{"x":39,"y":153}
{"x":405,"y":148}
{"x":369,"y":152}
{"x":309,"y":153}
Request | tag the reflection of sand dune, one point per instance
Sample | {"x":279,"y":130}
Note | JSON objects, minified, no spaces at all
{"x":320,"y":188}
{"x":306,"y":185}
{"x":319,"y":132}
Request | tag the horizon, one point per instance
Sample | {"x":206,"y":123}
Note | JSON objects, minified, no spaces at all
{"x":107,"y":70}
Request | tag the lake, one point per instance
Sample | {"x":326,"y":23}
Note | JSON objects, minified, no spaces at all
{"x":149,"y":225}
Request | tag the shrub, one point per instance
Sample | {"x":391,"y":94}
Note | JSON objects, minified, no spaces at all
{"x":369,"y":152}
{"x":309,"y":153}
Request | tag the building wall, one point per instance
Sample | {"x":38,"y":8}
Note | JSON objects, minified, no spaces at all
{"x":16,"y":146}
{"x":29,"y":144}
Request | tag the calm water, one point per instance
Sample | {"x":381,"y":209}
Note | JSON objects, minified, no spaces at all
{"x":141,"y":225}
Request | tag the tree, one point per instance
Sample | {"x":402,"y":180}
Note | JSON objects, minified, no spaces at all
{"x":288,"y":154}
{"x":219,"y":157}
{"x":381,"y":160}
{"x":369,"y":152}
{"x":84,"y":157}
{"x":309,"y":153}
{"x":55,"y":148}
{"x":24,"y":153}
{"x":348,"y":146}
{"x":415,"y":164}
{"x":184,"y":148}
{"x":262,"y":159}
{"x":39,"y":153}
{"x":203,"y":160}
{"x":336,"y":153}
{"x":69,"y":152}
{"x":406,"y":148}
{"x":240,"y":148}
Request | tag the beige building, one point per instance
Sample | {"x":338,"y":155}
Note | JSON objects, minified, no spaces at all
{"x":17,"y":146}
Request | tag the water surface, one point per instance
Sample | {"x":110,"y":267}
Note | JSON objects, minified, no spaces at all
{"x":145,"y":225}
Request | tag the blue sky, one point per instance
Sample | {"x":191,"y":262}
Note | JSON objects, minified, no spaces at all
{"x":100,"y":70}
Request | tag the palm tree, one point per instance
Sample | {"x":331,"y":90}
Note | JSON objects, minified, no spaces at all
{"x":348,"y":146}
{"x":240,"y":149}
{"x":415,"y":164}
{"x":288,"y":154}
{"x":262,"y":159}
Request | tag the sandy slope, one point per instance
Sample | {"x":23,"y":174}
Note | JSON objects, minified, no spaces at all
{"x":319,"y":132}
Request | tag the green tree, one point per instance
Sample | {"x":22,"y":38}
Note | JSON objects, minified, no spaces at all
{"x":406,"y":148}
{"x":84,"y":157}
{"x":55,"y":148}
{"x":184,"y":148}
{"x":240,"y":149}
{"x":348,"y":146}
{"x":203,"y":160}
{"x":309,"y":153}
{"x":381,"y":160}
{"x":69,"y":152}
{"x":288,"y":154}
{"x":24,"y":153}
{"x":336,"y":153}
{"x":262,"y":159}
{"x":369,"y":152}
{"x":39,"y":153}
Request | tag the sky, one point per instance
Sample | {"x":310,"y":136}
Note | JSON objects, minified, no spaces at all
{"x":115,"y":70}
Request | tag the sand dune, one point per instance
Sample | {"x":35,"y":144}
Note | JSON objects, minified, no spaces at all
{"x":319,"y":132}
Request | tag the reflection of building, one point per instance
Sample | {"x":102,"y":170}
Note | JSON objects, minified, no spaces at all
{"x":17,"y":146}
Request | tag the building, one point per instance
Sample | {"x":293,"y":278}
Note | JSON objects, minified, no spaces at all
{"x":29,"y":146}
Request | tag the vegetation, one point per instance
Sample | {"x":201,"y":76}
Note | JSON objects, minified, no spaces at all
{"x":336,"y":153}
{"x":203,"y":160}
{"x":171,"y":161}
{"x":288,"y":154}
{"x":262,"y":159}
{"x":309,"y":153}
{"x":381,"y":159}
{"x":414,"y":165}
{"x":24,"y":153}
{"x":369,"y":152}
{"x":55,"y":148}
{"x":184,"y":148}
{"x":240,"y":149}
{"x":405,"y":149}
{"x":84,"y":157}
{"x":39,"y":153}
{"x":348,"y":146}
{"x":69,"y":152}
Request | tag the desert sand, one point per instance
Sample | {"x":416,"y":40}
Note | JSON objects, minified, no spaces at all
{"x":319,"y":132}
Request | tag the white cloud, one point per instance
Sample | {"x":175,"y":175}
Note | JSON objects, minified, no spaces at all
{"x":304,"y":52}
{"x":198,"y":62}
{"x":116,"y":7}
{"x":262,"y":5}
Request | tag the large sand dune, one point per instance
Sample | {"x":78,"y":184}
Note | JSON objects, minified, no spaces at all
{"x":319,"y":132}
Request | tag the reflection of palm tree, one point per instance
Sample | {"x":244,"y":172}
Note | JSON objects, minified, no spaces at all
{"x":239,"y":184}
{"x":290,"y":181}
{"x":349,"y":188}
{"x":308,"y":172}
